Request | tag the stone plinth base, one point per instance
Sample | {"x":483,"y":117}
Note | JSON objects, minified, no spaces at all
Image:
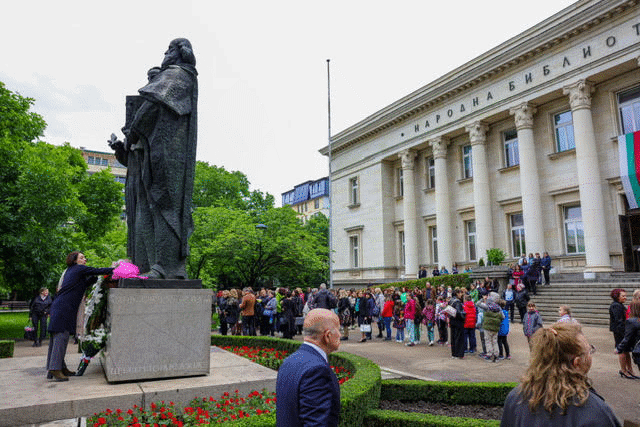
{"x":157,"y":333}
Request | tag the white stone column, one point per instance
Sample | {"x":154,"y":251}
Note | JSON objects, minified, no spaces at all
{"x":529,"y":181}
{"x":443,"y":214}
{"x":589,"y":180}
{"x":481,"y":191}
{"x":410,"y":217}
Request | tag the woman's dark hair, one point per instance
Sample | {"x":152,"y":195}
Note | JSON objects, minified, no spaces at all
{"x":615,"y":294}
{"x":72,"y":258}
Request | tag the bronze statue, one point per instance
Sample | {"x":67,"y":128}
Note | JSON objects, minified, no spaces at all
{"x":159,"y":151}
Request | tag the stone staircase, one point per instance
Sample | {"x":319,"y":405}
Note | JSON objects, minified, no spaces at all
{"x":589,"y":300}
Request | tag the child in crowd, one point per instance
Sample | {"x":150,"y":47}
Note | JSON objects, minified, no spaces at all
{"x":429,"y":316}
{"x":473,"y":293}
{"x":532,"y":321}
{"x":469,"y":325}
{"x":509,"y":295}
{"x":480,"y":319}
{"x":441,"y":321}
{"x":491,"y":324}
{"x":564,"y":311}
{"x":399,"y":323}
{"x":503,"y":332}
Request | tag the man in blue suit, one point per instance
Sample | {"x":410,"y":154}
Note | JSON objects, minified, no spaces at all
{"x":307,"y":390}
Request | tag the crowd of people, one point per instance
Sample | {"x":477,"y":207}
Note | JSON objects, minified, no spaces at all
{"x":470,"y":320}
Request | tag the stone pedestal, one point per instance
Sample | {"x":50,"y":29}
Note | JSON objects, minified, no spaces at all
{"x":157,"y":333}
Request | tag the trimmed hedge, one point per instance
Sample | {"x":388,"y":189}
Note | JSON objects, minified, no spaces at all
{"x":357,"y":396}
{"x":453,"y":280}
{"x":455,"y":393}
{"x":382,"y":418}
{"x":6,"y":348}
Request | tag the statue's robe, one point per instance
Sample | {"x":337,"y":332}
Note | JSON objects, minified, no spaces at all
{"x":161,"y":153}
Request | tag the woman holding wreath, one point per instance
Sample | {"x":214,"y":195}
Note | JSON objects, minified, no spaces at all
{"x":75,"y":280}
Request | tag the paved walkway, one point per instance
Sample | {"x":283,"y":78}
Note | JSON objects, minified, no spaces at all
{"x":435,"y":363}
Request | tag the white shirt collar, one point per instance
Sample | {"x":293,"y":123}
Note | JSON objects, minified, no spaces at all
{"x":318,"y":349}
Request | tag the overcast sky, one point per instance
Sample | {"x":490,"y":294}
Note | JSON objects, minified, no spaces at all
{"x":262,"y":67}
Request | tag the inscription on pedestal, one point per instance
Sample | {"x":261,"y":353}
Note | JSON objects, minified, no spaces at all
{"x":158,"y":333}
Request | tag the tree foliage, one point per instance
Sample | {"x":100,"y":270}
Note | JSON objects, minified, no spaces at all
{"x":229,"y":249}
{"x":47,"y":206}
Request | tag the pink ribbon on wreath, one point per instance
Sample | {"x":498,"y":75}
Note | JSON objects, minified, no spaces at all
{"x":126,"y":270}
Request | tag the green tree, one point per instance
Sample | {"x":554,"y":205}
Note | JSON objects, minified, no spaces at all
{"x":41,"y":211}
{"x":102,"y":196}
{"x":215,"y":186}
{"x":229,"y":250}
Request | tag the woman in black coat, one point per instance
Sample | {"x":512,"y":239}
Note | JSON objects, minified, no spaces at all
{"x":64,"y":311}
{"x":631,"y":336}
{"x":456,"y":323}
{"x":617,"y":317}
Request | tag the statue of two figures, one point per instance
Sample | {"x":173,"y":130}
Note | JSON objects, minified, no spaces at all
{"x":159,"y":151}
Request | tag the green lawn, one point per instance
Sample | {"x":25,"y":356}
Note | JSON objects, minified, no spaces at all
{"x":12,"y":324}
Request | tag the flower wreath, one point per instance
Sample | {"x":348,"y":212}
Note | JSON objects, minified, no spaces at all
{"x":95,"y":328}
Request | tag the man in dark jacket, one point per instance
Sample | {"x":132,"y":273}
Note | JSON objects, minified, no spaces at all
{"x":324,"y":298}
{"x":39,"y":312}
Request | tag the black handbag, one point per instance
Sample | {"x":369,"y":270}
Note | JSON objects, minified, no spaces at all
{"x":635,"y":353}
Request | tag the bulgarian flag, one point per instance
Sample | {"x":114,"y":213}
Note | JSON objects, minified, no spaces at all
{"x":629,"y":150}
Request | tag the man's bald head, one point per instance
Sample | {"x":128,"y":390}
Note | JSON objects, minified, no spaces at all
{"x":316,"y":324}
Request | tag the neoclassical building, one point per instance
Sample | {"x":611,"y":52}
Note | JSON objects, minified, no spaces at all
{"x":516,"y":149}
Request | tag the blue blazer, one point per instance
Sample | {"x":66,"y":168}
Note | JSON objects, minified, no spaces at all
{"x":64,"y":310}
{"x":307,"y":391}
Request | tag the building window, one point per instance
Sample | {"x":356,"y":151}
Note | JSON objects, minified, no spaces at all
{"x":563,"y":123}
{"x":402,"y":247}
{"x":471,"y":239}
{"x":316,"y":204}
{"x":629,"y":104}
{"x":573,"y":230}
{"x":467,"y":166}
{"x":400,"y":181}
{"x":433,"y":236}
{"x":354,"y":191}
{"x":354,"y":247}
{"x":431,"y":172}
{"x":105,"y":162}
{"x":517,"y":235}
{"x":511,"y":154}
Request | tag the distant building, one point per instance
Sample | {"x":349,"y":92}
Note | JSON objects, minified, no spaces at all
{"x":308,"y":198}
{"x":99,"y":160}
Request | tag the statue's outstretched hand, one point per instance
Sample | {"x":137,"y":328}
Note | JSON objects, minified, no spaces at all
{"x":114,"y":143}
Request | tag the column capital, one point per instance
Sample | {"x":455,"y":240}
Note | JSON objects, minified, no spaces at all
{"x":408,"y":158}
{"x":579,"y":94}
{"x":477,"y":132}
{"x":523,"y":115}
{"x":439,"y":147}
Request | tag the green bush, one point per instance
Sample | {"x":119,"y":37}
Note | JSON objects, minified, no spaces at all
{"x":495,"y":256}
{"x":382,"y":418}
{"x":453,"y":280}
{"x":357,"y":396}
{"x":6,"y":348}
{"x":456,"y":393}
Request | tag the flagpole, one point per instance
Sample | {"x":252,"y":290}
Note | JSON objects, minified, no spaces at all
{"x":330,"y":192}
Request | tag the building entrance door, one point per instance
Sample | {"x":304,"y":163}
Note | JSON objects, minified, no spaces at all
{"x":630,"y":236}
